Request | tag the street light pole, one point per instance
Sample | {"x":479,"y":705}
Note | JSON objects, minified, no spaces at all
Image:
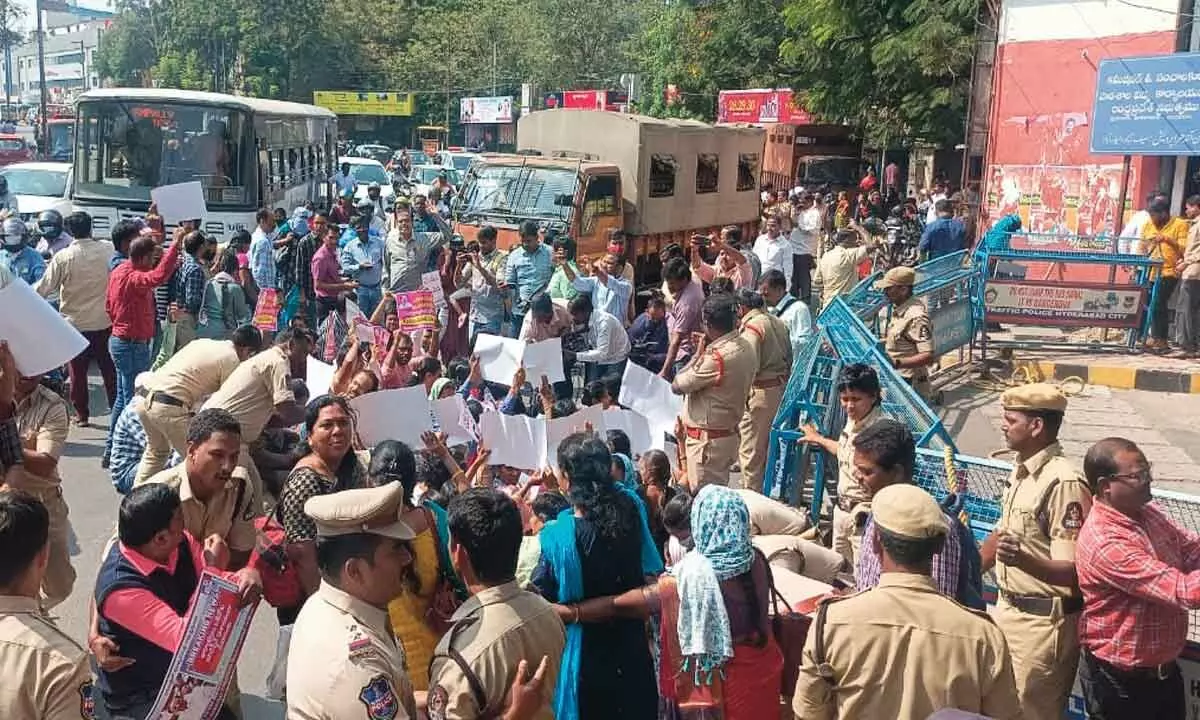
{"x":41,"y":43}
{"x":83,"y":64}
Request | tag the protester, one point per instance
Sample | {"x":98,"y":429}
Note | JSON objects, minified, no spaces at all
{"x":794,"y":313}
{"x":143,"y":591}
{"x":527,"y":273}
{"x":78,"y":275}
{"x":362,"y":262}
{"x":190,"y":283}
{"x":1163,"y":238}
{"x":262,"y":251}
{"x":605,"y":335}
{"x":545,"y":319}
{"x":648,"y":336}
{"x":886,"y":652}
{"x":945,"y":235}
{"x":48,"y":673}
{"x":1033,"y":551}
{"x":601,"y":548}
{"x":328,"y":280}
{"x":225,"y":304}
{"x":683,"y":317}
{"x":715,"y":385}
{"x":608,"y":292}
{"x":130,"y":304}
{"x":860,"y":396}
{"x":128,"y":441}
{"x":560,"y":287}
{"x":481,"y":271}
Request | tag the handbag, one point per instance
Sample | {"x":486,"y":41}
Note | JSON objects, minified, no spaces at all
{"x":446,"y":600}
{"x":790,"y":629}
{"x":280,"y":578}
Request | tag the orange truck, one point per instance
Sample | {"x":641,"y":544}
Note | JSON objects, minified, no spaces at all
{"x":586,"y":172}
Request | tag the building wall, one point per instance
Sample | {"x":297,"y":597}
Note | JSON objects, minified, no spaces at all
{"x":1043,"y":87}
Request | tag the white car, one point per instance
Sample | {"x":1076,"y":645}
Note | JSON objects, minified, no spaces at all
{"x":366,"y":171}
{"x":423,"y":177}
{"x":39,"y":186}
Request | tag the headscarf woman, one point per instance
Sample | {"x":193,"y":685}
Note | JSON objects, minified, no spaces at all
{"x":722,"y":661}
{"x":598,"y":546}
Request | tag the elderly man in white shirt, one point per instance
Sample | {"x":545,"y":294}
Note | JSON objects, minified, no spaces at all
{"x":806,"y":227}
{"x":606,"y":336}
{"x":774,"y":250}
{"x":794,"y":313}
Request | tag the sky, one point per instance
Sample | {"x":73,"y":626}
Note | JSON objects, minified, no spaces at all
{"x":29,"y":4}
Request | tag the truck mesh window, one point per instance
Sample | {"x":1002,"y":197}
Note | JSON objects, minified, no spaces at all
{"x":747,"y":171}
{"x":662,"y":175}
{"x":708,"y":171}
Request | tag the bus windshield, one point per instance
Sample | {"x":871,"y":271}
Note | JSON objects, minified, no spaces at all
{"x":125,"y":148}
{"x":518,"y":191}
{"x":62,"y":140}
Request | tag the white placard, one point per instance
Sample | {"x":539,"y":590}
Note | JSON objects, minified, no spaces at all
{"x":39,"y":338}
{"x":184,"y":201}
{"x":318,"y":377}
{"x":500,"y":357}
{"x":432,"y":281}
{"x":515,"y":440}
{"x":650,"y":395}
{"x":401,"y":414}
{"x":636,"y":427}
{"x":449,"y":413}
{"x":558,"y":429}
{"x":353,"y":311}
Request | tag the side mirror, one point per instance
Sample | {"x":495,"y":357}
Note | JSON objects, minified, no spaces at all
{"x":564,"y":200}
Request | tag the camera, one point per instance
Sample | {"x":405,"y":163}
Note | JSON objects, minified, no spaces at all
{"x":457,"y":243}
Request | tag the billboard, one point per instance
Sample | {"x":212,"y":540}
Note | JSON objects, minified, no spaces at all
{"x":1058,"y":304}
{"x":390,"y":104}
{"x":485,"y":110}
{"x":761,"y":106}
{"x":1147,"y":106}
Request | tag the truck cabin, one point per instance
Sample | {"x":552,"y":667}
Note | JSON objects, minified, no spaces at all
{"x":578,"y":198}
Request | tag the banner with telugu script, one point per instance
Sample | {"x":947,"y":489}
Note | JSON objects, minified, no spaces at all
{"x":416,"y":311}
{"x":204,"y":665}
{"x":266,"y":311}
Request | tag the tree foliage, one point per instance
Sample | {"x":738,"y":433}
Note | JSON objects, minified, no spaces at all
{"x":896,"y":67}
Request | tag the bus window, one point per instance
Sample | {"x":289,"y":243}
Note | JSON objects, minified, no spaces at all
{"x":132,"y":146}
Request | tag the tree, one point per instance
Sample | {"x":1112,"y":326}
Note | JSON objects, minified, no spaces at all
{"x":894,"y":68}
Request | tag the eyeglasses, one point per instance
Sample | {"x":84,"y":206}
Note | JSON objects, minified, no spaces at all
{"x":1137,"y":477}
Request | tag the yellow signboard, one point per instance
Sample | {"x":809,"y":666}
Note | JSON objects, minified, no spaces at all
{"x":365,"y":103}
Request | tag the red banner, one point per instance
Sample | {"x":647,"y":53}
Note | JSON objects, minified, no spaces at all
{"x":761,"y":106}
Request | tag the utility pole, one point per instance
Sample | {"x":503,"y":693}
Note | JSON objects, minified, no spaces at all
{"x":83,"y":64}
{"x":41,"y":44}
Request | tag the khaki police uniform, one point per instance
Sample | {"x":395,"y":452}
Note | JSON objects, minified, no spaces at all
{"x":769,"y":337}
{"x":909,"y":331}
{"x":853,"y":504}
{"x":475,"y":663}
{"x":715,"y":386}
{"x":902,"y":649}
{"x":1044,"y":506}
{"x":173,"y":392}
{"x":251,"y":393}
{"x":43,"y":424}
{"x":803,"y":557}
{"x":46,"y":673}
{"x":229,"y":513}
{"x":344,"y":663}
{"x":771,"y":517}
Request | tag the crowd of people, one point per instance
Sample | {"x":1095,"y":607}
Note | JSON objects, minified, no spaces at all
{"x":613,"y":583}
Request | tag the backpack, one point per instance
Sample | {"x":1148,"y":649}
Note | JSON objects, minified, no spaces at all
{"x":969,"y":591}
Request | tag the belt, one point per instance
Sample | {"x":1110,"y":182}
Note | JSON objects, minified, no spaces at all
{"x":764,"y":384}
{"x":1152,"y":672}
{"x":1042,"y":605}
{"x":696,"y":433}
{"x":165,"y":399}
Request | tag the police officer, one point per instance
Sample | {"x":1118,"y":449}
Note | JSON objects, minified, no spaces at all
{"x":173,"y":391}
{"x":769,"y":337}
{"x":1033,"y":549}
{"x":344,"y":662}
{"x":909,"y":338}
{"x":501,"y":625}
{"x":42,"y":420}
{"x":46,"y":674}
{"x":259,"y":388}
{"x":715,"y":385}
{"x":903,"y":649}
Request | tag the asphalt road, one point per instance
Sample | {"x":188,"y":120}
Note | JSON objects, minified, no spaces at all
{"x":1167,"y":426}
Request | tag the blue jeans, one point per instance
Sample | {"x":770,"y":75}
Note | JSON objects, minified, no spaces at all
{"x":518,"y":319}
{"x":368,"y":298}
{"x":491,"y":328}
{"x":130,"y":358}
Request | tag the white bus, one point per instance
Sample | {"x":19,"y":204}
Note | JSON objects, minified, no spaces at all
{"x":247,"y":152}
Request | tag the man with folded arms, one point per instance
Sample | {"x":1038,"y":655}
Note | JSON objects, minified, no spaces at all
{"x":1140,"y":574}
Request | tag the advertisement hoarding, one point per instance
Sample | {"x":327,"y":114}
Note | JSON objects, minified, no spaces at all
{"x":1148,"y":106}
{"x":486,"y":110}
{"x":1052,"y":304}
{"x":389,"y":104}
{"x":761,"y":106}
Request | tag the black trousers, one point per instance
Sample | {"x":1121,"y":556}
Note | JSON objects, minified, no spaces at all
{"x":1162,"y":308}
{"x":802,"y":267}
{"x":1110,"y":693}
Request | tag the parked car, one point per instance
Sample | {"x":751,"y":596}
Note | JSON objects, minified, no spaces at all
{"x":380,"y":153}
{"x":39,"y":186}
{"x":14,"y":149}
{"x":366,"y":171}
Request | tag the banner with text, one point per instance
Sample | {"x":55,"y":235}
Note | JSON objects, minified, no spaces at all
{"x":1064,"y":304}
